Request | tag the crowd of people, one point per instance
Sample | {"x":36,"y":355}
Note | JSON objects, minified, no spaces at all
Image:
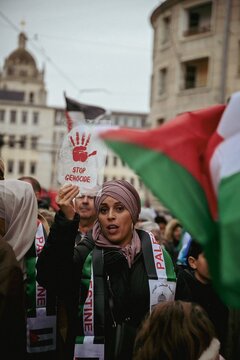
{"x":106,"y":278}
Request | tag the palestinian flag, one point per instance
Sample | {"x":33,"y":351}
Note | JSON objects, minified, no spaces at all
{"x":77,"y":113}
{"x":192,"y":164}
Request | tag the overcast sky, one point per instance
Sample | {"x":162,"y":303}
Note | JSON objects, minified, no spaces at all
{"x":98,"y":51}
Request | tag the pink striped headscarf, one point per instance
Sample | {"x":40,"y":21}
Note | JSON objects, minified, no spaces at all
{"x":122,"y":191}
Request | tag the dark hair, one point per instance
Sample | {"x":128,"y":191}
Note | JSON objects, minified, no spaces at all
{"x":159,"y":219}
{"x":34,"y":182}
{"x":175,"y":330}
{"x":195,"y":249}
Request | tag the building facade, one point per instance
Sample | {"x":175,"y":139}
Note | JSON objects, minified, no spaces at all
{"x":31,"y":133}
{"x":26,"y":122}
{"x":196,"y":56}
{"x":114,"y":168}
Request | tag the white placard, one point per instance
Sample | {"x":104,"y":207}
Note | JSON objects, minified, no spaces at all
{"x":82,"y":159}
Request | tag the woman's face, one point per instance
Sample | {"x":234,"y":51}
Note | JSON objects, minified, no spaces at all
{"x":177,"y":233}
{"x":116,"y":222}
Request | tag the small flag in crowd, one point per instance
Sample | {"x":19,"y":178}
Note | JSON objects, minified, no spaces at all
{"x":192,"y":165}
{"x":77,"y":112}
{"x":41,"y":337}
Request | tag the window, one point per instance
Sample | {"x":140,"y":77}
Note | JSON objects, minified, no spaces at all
{"x":160,"y":121}
{"x":191,"y":76}
{"x":11,"y":141}
{"x":33,"y":167}
{"x":162,"y":81}
{"x":34,"y":140}
{"x":166,"y":29}
{"x":13,"y":116}
{"x":59,"y":118}
{"x":2,"y":115}
{"x":10,"y":166}
{"x":132,"y":181}
{"x":22,"y":141}
{"x":24,"y":117}
{"x":35,"y":118}
{"x":31,"y":97}
{"x":196,"y":73}
{"x":107,"y":160}
{"x":115,"y":161}
{"x":199,"y":19}
{"x":21,"y":167}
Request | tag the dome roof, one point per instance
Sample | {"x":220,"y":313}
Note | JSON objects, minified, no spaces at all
{"x":21,"y":56}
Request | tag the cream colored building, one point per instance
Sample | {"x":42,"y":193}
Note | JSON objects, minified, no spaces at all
{"x":33,"y":132}
{"x":196,"y":56}
{"x":26,"y":122}
{"x":115,"y":168}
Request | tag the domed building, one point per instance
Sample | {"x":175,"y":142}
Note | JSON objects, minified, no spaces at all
{"x":33,"y":132}
{"x":20,"y":74}
{"x":26,"y":122}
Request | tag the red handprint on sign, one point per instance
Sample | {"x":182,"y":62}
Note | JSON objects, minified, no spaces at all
{"x":79,"y":152}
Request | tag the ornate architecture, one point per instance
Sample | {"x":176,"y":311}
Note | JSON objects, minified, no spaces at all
{"x":21,"y":75}
{"x":31,"y":133}
{"x":26,"y":122}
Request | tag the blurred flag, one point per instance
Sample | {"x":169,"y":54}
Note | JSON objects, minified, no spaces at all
{"x":192,"y":165}
{"x":77,"y":113}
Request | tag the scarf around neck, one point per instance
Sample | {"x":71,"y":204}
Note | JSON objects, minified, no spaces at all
{"x":129,"y":251}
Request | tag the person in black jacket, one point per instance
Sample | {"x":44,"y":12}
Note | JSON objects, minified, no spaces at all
{"x":111,"y":279}
{"x":194,"y":285}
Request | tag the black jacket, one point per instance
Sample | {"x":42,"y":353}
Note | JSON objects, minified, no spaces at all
{"x":190,"y":289}
{"x":59,"y":268}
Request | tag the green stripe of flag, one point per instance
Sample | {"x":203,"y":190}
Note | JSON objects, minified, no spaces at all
{"x":171,"y":275}
{"x":173,"y":185}
{"x":31,"y":285}
{"x":229,"y":248}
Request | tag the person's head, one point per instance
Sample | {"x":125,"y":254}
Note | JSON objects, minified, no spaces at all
{"x":153,"y":228}
{"x":18,"y":214}
{"x":146,"y":214}
{"x":162,"y":223}
{"x":43,"y":202}
{"x":35,"y":184}
{"x":2,"y":169}
{"x":198,"y":262}
{"x":48,"y":216}
{"x":84,"y":206}
{"x":118,"y":206}
{"x":173,"y":231}
{"x":176,"y":330}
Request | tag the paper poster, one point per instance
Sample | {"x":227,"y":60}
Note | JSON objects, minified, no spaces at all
{"x":82,"y":159}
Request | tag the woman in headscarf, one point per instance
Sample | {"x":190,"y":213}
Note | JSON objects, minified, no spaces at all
{"x":18,"y":215}
{"x":118,"y":273}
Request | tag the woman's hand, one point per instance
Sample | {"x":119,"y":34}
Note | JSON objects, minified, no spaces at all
{"x":64,"y":200}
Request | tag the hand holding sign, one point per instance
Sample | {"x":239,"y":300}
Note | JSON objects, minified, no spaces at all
{"x":64,"y":200}
{"x":82,"y":159}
